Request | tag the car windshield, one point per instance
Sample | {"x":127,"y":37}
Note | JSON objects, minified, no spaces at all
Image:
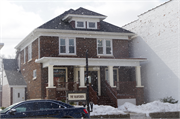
{"x":8,"y":108}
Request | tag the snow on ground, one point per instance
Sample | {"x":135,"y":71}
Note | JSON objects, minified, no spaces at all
{"x":105,"y":110}
{"x":156,"y":106}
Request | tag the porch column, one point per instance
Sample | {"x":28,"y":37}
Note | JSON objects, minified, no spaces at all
{"x":50,"y":77}
{"x":110,"y":75}
{"x":138,"y":76}
{"x":82,"y":76}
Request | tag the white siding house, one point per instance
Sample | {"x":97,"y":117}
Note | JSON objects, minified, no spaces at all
{"x":158,"y":39}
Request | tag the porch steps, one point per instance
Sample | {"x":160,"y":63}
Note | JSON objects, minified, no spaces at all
{"x":105,"y":100}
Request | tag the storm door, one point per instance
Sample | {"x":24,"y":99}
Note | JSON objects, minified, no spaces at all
{"x":93,"y":80}
{"x":60,"y":78}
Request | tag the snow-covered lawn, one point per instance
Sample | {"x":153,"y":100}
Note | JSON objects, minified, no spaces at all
{"x":156,"y":106}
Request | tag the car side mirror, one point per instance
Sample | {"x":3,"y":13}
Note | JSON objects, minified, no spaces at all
{"x":12,"y":111}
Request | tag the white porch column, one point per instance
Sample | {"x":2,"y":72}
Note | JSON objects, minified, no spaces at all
{"x":50,"y":77}
{"x":110,"y":75}
{"x":82,"y":76}
{"x":138,"y":76}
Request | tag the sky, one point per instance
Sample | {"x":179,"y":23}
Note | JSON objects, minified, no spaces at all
{"x":20,"y":17}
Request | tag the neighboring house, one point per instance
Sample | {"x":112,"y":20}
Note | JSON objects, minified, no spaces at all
{"x":13,"y":83}
{"x":158,"y":40}
{"x":52,"y":59}
{"x":1,"y":45}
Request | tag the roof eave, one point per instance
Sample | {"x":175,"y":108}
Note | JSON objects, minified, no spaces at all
{"x":69,"y":16}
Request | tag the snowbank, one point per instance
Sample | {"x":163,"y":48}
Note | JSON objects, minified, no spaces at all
{"x":156,"y":106}
{"x":105,"y":110}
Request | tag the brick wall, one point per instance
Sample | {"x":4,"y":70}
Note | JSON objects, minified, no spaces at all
{"x":50,"y":47}
{"x":34,"y":87}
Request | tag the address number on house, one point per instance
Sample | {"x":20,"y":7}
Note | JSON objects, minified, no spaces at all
{"x":76,"y":96}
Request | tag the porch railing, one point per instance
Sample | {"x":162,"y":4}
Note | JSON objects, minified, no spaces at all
{"x":110,"y":92}
{"x":126,"y":88}
{"x":93,"y":95}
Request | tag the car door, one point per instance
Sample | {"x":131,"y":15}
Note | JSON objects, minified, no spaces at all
{"x":23,"y":111}
{"x":47,"y":109}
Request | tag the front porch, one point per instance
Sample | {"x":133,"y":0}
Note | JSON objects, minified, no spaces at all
{"x":110,"y":79}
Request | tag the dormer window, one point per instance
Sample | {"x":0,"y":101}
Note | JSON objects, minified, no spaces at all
{"x":80,"y":24}
{"x":92,"y":25}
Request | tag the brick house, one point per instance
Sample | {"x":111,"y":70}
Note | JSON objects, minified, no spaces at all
{"x":52,"y":59}
{"x":1,"y":45}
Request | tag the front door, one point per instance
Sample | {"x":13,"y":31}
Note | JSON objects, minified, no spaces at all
{"x":93,"y":80}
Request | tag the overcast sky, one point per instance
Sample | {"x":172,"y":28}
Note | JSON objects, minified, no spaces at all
{"x":19,"y":17}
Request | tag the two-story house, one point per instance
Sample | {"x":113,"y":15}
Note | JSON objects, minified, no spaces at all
{"x":52,"y":59}
{"x":1,"y":45}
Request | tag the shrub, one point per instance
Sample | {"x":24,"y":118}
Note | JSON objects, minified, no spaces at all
{"x":2,"y":108}
{"x":169,"y":100}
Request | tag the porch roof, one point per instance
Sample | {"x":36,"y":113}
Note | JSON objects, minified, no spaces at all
{"x":46,"y":61}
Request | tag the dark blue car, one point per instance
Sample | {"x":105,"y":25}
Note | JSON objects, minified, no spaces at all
{"x":43,"y":109}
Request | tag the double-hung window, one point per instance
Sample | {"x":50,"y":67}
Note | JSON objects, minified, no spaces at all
{"x":92,"y":25}
{"x":80,"y":24}
{"x":104,"y":47}
{"x":115,"y":75}
{"x":24,"y":55}
{"x":29,"y":52}
{"x":67,"y":46}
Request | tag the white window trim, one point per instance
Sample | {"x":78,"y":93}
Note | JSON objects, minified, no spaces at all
{"x":30,"y":52}
{"x":104,"y":48}
{"x":91,"y":27}
{"x":24,"y":55}
{"x":113,"y":75}
{"x":34,"y":74}
{"x":62,"y":68}
{"x":67,"y":46}
{"x":81,"y":27}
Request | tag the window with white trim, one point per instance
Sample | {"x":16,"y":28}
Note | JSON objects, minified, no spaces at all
{"x":92,"y":25}
{"x":24,"y":55}
{"x":80,"y":24}
{"x":104,"y":47}
{"x":29,"y":52}
{"x":34,"y":74}
{"x":67,"y":46}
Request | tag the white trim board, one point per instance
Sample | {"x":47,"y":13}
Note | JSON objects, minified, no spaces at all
{"x":46,"y":61}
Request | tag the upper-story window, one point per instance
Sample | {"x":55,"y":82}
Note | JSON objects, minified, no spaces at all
{"x":29,"y":52}
{"x":92,"y":25}
{"x":24,"y":55}
{"x":67,"y":46}
{"x":80,"y":24}
{"x":104,"y":47}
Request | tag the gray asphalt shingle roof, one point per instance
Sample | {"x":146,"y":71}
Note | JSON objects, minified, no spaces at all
{"x":14,"y":77}
{"x":58,"y":23}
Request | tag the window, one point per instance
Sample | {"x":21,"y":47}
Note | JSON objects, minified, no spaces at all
{"x":92,"y":25}
{"x":24,"y":107}
{"x":46,"y":106}
{"x":115,"y":75}
{"x":29,"y":52}
{"x":67,"y":46}
{"x":60,"y":77}
{"x":24,"y":55}
{"x":80,"y":24}
{"x":18,"y":95}
{"x":104,"y":47}
{"x":34,"y":74}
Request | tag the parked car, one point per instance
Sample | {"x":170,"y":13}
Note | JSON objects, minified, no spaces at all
{"x":43,"y":109}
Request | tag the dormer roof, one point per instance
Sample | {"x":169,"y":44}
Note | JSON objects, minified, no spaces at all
{"x":85,"y":13}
